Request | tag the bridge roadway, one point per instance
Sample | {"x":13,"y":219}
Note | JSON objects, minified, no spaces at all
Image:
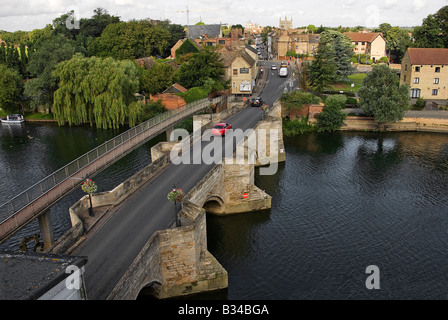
{"x":113,"y":246}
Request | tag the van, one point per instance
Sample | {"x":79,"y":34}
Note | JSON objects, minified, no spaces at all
{"x":283,"y":72}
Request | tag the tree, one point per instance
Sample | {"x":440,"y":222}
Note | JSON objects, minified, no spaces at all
{"x":95,"y":26}
{"x":10,"y":89}
{"x":397,"y":39}
{"x":332,"y":116}
{"x":100,"y":90}
{"x":382,"y":96}
{"x":428,"y":35}
{"x":158,"y":78}
{"x":42,"y":63}
{"x":200,"y":67}
{"x":323,"y":70}
{"x":131,"y":40}
{"x":339,"y":49}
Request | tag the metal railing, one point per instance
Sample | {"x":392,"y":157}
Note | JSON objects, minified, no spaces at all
{"x":34,"y":192}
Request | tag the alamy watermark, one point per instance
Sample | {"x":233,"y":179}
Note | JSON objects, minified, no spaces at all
{"x":74,"y":280}
{"x":373,"y":280}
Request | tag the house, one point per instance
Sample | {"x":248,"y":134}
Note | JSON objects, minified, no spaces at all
{"x":372,"y":44}
{"x":425,"y":70}
{"x":241,"y":69}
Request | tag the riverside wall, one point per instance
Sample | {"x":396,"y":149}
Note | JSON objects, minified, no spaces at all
{"x":423,"y":124}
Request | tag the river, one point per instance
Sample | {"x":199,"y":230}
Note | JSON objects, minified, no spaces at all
{"x":341,"y":202}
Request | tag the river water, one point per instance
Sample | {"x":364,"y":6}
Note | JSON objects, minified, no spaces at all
{"x":29,"y":152}
{"x":341,"y":202}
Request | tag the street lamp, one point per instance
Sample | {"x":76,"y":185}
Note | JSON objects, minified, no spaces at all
{"x":176,"y":195}
{"x":89,"y":187}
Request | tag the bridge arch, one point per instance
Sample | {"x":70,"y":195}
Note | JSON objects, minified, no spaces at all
{"x":149,"y":288}
{"x":214,"y":204}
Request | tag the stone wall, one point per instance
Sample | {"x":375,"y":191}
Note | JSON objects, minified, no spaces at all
{"x":407,"y":124}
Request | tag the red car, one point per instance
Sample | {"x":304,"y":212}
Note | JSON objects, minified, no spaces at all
{"x":220,"y":129}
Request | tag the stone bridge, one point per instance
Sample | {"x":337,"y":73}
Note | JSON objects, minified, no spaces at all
{"x":175,"y":262}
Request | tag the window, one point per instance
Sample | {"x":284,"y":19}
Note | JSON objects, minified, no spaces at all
{"x":417,"y":69}
{"x":244,"y":70}
{"x":404,"y":78}
{"x":435,"y":92}
{"x":416,"y":80}
{"x":415,"y":93}
{"x":437,"y":69}
{"x":363,"y":43}
{"x":235,"y":72}
{"x":405,"y":67}
{"x":436,"y":80}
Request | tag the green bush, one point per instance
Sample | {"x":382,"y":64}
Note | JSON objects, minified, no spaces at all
{"x":332,"y":117}
{"x":194,"y":94}
{"x":296,"y":127}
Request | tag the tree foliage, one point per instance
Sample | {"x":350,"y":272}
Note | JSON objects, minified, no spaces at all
{"x":382,"y":96}
{"x":96,"y":90}
{"x":131,"y":40}
{"x":10,"y":89}
{"x":322,"y":72}
{"x":41,"y":87}
{"x":202,"y":65}
{"x":156,"y":79}
{"x":339,"y":49}
{"x":332,"y":117}
{"x":397,"y":39}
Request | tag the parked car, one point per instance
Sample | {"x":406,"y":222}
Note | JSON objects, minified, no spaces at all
{"x":256,"y":102}
{"x":220,"y":129}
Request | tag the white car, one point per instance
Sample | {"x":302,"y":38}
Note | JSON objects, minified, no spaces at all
{"x":273,"y":67}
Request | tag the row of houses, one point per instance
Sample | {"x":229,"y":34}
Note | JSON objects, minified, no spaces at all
{"x":300,"y":42}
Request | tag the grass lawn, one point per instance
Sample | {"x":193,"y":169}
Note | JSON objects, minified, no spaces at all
{"x":356,"y":79}
{"x":39,"y":116}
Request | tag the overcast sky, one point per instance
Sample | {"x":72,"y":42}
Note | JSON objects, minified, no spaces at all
{"x":35,"y":14}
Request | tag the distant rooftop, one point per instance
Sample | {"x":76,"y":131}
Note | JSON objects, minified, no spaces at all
{"x":27,"y":276}
{"x":211,"y":30}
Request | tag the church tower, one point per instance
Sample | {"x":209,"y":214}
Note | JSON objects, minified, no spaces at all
{"x":285,"y":24}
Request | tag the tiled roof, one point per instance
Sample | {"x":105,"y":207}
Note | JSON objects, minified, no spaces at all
{"x":211,"y":30}
{"x":428,"y":56}
{"x":362,"y":36}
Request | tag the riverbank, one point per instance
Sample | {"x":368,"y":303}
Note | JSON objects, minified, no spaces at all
{"x":422,"y":120}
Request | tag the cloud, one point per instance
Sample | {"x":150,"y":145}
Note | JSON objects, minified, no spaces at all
{"x":389,"y":4}
{"x":349,"y":4}
{"x":417,"y":5}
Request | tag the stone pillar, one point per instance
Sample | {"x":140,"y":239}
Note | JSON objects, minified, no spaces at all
{"x":46,"y":229}
{"x":168,"y":132}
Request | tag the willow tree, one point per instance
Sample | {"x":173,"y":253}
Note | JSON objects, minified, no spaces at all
{"x":96,"y":90}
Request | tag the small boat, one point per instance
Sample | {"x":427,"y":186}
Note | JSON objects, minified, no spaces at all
{"x":13,"y":119}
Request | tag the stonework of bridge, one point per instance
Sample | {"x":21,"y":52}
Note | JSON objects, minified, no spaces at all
{"x":175,"y":262}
